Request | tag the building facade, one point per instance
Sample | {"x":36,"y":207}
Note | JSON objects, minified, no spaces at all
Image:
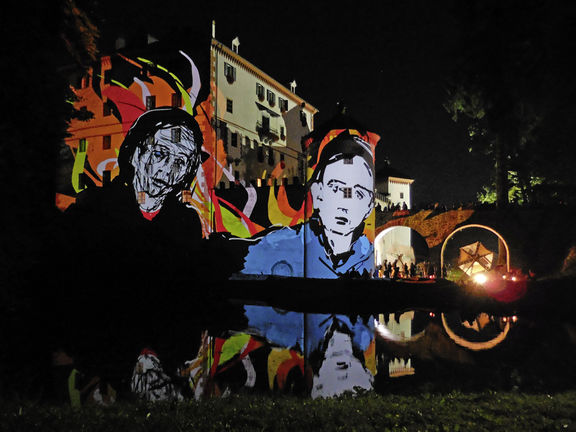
{"x":260,"y":121}
{"x":393,"y":189}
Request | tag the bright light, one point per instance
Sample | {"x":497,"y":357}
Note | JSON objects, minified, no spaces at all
{"x":480,"y":278}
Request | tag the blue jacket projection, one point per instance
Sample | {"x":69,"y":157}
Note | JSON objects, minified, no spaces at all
{"x":299,"y":252}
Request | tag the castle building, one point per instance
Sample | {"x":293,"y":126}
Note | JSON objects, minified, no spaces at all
{"x":260,"y":121}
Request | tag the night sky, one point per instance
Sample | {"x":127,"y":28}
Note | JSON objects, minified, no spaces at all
{"x":386,"y":61}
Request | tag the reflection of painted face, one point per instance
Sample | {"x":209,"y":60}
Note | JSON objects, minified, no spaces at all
{"x":340,"y":370}
{"x":339,"y":354}
{"x":345,"y":195}
{"x":162,"y":164}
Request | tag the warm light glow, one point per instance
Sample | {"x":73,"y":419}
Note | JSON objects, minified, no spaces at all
{"x":480,"y":278}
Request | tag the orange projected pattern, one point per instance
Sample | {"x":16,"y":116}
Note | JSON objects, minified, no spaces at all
{"x":94,"y":145}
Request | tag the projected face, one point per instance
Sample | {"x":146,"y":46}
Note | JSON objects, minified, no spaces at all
{"x":344,"y":195}
{"x":162,"y":164}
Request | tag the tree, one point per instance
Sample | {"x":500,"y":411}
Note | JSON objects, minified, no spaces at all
{"x":510,"y":79}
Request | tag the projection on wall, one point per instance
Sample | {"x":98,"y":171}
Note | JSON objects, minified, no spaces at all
{"x":332,"y":242}
{"x":152,"y":151}
{"x":153,"y":131}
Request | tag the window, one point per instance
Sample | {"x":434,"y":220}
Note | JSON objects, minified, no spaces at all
{"x":283,"y":103}
{"x":229,"y":106}
{"x":401,"y":195}
{"x":224,"y":135}
{"x":150,"y":102}
{"x":106,"y":109}
{"x":230,"y":72}
{"x":247,"y":141}
{"x":282,"y":133}
{"x":347,"y":192}
{"x":270,"y":97}
{"x":303,"y":118}
{"x":106,"y":142}
{"x":270,"y":156}
{"x":176,"y":134}
{"x":265,"y":124}
{"x":260,"y":154}
{"x":141,"y":197}
{"x":176,"y":100}
{"x":348,"y":160}
{"x":260,"y":91}
{"x":234,"y":139}
{"x":82,"y":144}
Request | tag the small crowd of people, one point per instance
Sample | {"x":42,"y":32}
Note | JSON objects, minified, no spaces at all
{"x":401,"y":270}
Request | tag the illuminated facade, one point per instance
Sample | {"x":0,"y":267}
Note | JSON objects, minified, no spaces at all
{"x":260,"y":121}
{"x":393,"y":189}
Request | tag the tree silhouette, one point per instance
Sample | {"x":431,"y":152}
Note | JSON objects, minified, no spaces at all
{"x":513,"y":86}
{"x":43,"y":42}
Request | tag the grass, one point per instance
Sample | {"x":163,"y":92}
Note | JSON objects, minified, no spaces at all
{"x":487,"y":411}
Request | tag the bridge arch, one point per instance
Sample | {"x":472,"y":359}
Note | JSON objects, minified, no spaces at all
{"x":492,"y":230}
{"x":404,"y":241}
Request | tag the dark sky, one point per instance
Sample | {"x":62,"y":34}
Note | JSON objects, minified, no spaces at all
{"x":387,"y":61}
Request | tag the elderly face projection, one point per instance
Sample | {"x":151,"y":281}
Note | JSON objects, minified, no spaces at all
{"x":162,"y":164}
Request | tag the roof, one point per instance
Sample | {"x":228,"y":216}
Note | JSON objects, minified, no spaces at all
{"x":387,"y":172}
{"x":342,"y":120}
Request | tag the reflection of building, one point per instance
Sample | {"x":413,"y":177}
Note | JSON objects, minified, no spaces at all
{"x":393,"y":189}
{"x":401,"y":329}
{"x":260,"y":121}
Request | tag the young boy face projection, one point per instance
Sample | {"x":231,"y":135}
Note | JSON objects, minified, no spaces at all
{"x":344,"y":195}
{"x":332,"y":242}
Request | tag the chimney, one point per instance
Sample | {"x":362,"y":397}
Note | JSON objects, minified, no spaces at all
{"x":235,"y":44}
{"x":293,"y":86}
